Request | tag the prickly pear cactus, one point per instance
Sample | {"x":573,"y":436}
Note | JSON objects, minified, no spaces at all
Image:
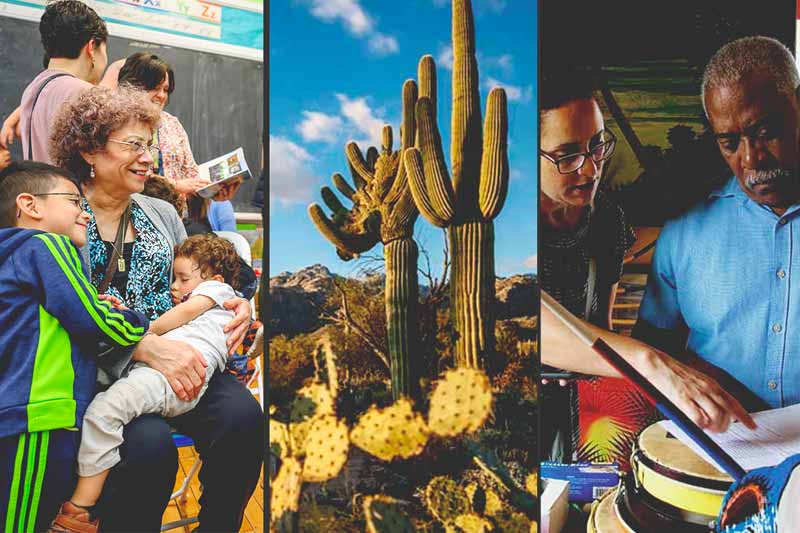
{"x":396,"y":431}
{"x":285,"y":498}
{"x":468,"y":203}
{"x":445,"y":499}
{"x":383,"y":210}
{"x":513,"y":521}
{"x":310,"y":403}
{"x":279,"y":438}
{"x":483,"y":501}
{"x":383,"y":515}
{"x":532,"y":483}
{"x":326,"y":449}
{"x":461,"y":402}
{"x":472,"y":523}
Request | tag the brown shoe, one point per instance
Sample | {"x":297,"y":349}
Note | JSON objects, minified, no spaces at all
{"x":73,"y":519}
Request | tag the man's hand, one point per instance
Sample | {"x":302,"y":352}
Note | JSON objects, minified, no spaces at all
{"x":238,"y":326}
{"x":10,"y":129}
{"x":179,"y":362}
{"x":699,"y":396}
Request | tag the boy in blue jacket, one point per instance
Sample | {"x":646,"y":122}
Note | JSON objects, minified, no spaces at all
{"x":52,"y":325}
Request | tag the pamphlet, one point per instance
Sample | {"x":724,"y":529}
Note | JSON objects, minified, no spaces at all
{"x":776,"y":438}
{"x":221,"y":170}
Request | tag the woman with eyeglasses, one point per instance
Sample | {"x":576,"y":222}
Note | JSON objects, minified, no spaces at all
{"x":583,"y":240}
{"x":105,"y":137}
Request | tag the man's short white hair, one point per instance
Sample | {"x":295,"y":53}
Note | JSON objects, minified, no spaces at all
{"x":741,"y":58}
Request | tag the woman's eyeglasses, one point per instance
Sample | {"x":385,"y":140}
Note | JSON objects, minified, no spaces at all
{"x":140,"y":147}
{"x":570,"y":163}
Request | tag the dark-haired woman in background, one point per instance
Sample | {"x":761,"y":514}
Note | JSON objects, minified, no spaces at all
{"x":176,"y":163}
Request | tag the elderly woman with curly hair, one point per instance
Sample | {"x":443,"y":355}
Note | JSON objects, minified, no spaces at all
{"x":105,"y":137}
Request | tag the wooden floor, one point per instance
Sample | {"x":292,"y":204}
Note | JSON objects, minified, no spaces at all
{"x":253,"y":514}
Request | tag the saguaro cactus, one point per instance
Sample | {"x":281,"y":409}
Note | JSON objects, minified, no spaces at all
{"x":384,"y":210}
{"x":467,"y":204}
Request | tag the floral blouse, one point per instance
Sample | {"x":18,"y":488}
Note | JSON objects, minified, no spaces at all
{"x":149,"y":281}
{"x":176,"y":161}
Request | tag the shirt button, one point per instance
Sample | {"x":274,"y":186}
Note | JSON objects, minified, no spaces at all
{"x":772,"y":384}
{"x":782,"y":222}
{"x":777,"y":328}
{"x":781,"y":273}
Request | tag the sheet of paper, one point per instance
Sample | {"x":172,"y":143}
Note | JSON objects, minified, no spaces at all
{"x":776,"y":438}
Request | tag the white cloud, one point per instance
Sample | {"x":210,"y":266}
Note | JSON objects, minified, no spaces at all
{"x":505,"y":62}
{"x":291,"y":180}
{"x":383,"y":45}
{"x":361,"y":116}
{"x":348,"y":12}
{"x":318,"y":126}
{"x":444,"y":59}
{"x":356,"y":21}
{"x":531,"y":262}
{"x":515,"y":93}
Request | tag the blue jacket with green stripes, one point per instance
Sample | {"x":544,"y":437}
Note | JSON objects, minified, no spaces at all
{"x":51,"y":328}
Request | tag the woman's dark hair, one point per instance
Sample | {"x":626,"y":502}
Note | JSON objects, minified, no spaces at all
{"x":146,"y":71}
{"x":197,"y":207}
{"x":67,"y":25}
{"x":558,"y":87}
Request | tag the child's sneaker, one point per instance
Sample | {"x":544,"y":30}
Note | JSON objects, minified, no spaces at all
{"x":73,"y":519}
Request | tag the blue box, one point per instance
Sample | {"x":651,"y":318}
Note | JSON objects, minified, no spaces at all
{"x":587,"y":481}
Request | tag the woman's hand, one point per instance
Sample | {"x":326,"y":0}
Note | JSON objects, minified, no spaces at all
{"x":180,"y":363}
{"x":111,"y":75}
{"x":238,"y":326}
{"x":189,"y":186}
{"x":116,"y":302}
{"x":228,"y":190}
{"x":698,"y":395}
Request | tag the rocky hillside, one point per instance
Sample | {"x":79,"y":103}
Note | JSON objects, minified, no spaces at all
{"x":295,"y":299}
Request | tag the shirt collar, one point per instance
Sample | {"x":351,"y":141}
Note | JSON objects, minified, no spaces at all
{"x":732,"y":189}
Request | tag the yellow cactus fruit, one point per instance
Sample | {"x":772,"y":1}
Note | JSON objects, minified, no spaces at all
{"x":311,"y":402}
{"x":396,"y":431}
{"x":326,"y":449}
{"x":279,"y":438}
{"x":472,"y":523}
{"x":286,"y":489}
{"x":461,"y":402}
{"x":532,"y":483}
{"x":383,"y":515}
{"x":534,"y":527}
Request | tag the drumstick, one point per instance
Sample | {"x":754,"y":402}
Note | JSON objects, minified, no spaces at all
{"x":662,"y":403}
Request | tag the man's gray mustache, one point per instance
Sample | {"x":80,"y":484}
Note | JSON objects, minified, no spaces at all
{"x":760,"y":177}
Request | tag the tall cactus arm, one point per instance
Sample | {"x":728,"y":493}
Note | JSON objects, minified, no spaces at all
{"x":408,"y":133}
{"x":435,"y":180}
{"x":362,"y":170}
{"x":416,"y":181}
{"x":372,"y":158}
{"x":333,"y":203}
{"x":343,"y":186}
{"x":494,"y":164}
{"x":465,"y":142}
{"x":347,"y":244}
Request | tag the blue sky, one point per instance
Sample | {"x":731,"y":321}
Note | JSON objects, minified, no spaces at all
{"x":336,"y":72}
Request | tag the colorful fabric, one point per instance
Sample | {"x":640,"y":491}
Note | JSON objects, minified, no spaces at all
{"x":37,"y":474}
{"x":176,"y":154}
{"x":51,"y":324}
{"x":149,"y":271}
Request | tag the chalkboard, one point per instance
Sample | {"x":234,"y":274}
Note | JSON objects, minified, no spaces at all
{"x":218,"y":99}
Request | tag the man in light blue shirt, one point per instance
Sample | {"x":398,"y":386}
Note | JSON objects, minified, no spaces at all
{"x":723,"y":276}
